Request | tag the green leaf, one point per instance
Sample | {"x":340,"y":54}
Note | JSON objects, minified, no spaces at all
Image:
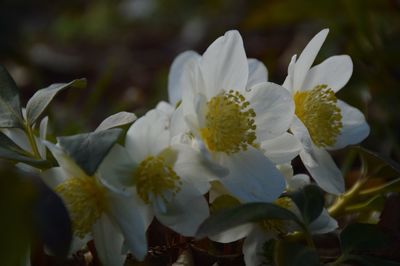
{"x":377,"y":164}
{"x":310,"y":201}
{"x":41,"y":99}
{"x":88,"y":150}
{"x":10,"y":106}
{"x":359,"y":236}
{"x":11,"y":151}
{"x":294,"y":254}
{"x":117,"y":120}
{"x":246,"y":213}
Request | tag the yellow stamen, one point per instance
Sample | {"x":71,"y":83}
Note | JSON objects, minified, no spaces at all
{"x":229,"y":123}
{"x":318,"y":111}
{"x":85,"y":200}
{"x":276,"y":225}
{"x":153,"y":177}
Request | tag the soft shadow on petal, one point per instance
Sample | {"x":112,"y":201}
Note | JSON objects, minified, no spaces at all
{"x":288,"y":83}
{"x":324,"y":171}
{"x":233,"y":234}
{"x":323,"y":224}
{"x":108,"y":242}
{"x":166,"y":108}
{"x":224,"y":64}
{"x":274,"y":109}
{"x":53,"y":176}
{"x":282,"y":149}
{"x":334,"y":72}
{"x":258,"y":73}
{"x":306,"y":59}
{"x":355,"y":128}
{"x":297,"y":182}
{"x":178,"y":79}
{"x":252,"y":176}
{"x":133,"y":218}
{"x":253,"y":247}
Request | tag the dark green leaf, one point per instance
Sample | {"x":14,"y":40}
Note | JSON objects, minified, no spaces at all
{"x":361,"y":236}
{"x":11,"y":151}
{"x":246,"y":213}
{"x":41,"y":99}
{"x":365,"y":260}
{"x":310,"y":201}
{"x":10,"y":106}
{"x":88,"y":150}
{"x":117,"y":120}
{"x":294,"y":254}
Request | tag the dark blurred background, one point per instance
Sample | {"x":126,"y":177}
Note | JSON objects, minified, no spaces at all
{"x":125,"y":48}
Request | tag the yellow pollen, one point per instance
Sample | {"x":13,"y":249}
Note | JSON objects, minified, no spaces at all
{"x":276,"y":225}
{"x":318,"y":111}
{"x":229,"y":125}
{"x":85,"y":200}
{"x":153,"y":177}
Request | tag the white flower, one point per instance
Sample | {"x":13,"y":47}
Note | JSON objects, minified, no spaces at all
{"x":322,"y":121}
{"x":96,"y":212}
{"x":168,"y":181}
{"x":236,"y":116}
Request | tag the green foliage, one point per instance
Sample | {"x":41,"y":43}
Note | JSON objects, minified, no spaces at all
{"x":41,"y":99}
{"x":246,"y":213}
{"x":88,"y":150}
{"x":117,"y":120}
{"x":10,"y":106}
{"x":310,"y":201}
{"x":294,"y":254}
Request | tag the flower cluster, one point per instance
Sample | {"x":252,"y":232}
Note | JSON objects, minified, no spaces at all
{"x":227,"y":131}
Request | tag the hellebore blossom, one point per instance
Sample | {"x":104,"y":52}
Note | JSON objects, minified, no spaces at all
{"x":237,"y":118}
{"x":166,"y":181}
{"x":323,"y":122}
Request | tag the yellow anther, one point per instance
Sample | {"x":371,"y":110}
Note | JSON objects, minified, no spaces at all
{"x":230,"y":125}
{"x":85,"y":200}
{"x":153,"y":177}
{"x":318,"y":110}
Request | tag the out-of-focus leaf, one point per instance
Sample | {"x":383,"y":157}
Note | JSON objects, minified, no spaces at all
{"x":365,"y":260}
{"x":117,"y":120}
{"x":185,"y":259}
{"x":310,"y":201}
{"x":11,"y":151}
{"x":359,"y":236}
{"x":294,"y":254}
{"x":246,"y":213}
{"x":378,"y":165}
{"x":52,"y":221}
{"x":375,"y":203}
{"x":10,"y":106}
{"x":41,"y":99}
{"x":223,"y":202}
{"x":88,"y":150}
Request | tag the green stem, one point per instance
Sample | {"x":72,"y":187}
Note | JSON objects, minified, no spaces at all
{"x":32,"y":141}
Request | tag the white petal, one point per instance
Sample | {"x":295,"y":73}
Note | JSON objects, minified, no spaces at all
{"x":166,"y":108}
{"x":108,"y":242}
{"x":178,"y":125}
{"x":42,"y":136}
{"x":224,"y":64}
{"x":323,"y":224}
{"x":307,"y":57}
{"x":334,"y":72}
{"x":148,"y":135}
{"x":53,"y":176}
{"x":78,"y":243}
{"x":258,"y":73}
{"x":19,"y":137}
{"x":301,"y":133}
{"x":274,"y":109}
{"x":355,"y":129}
{"x":233,"y":234}
{"x":253,"y":247}
{"x":177,"y":78}
{"x":288,"y":83}
{"x":133,"y":218}
{"x":297,"y":182}
{"x":116,"y":170}
{"x":185,"y":213}
{"x":64,"y":161}
{"x":324,"y":171}
{"x":282,"y":149}
{"x":252,"y":176}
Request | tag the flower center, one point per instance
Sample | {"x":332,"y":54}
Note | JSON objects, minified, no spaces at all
{"x":277,"y":225}
{"x":229,"y":125}
{"x":318,"y":111}
{"x":85,"y":200}
{"x":154,"y":177}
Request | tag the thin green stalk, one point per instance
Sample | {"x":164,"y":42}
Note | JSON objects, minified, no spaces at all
{"x":32,"y":141}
